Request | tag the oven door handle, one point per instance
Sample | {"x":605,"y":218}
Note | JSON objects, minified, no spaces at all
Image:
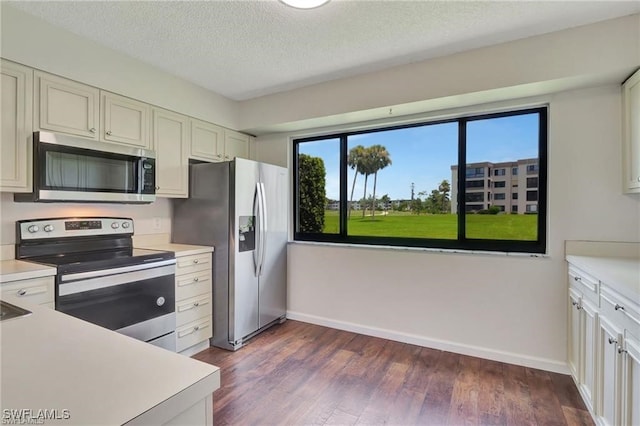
{"x":113,"y":271}
{"x":81,"y":286}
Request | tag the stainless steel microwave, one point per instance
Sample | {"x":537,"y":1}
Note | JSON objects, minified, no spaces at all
{"x":73,"y":169}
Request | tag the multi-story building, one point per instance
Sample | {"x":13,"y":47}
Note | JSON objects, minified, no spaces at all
{"x":511,"y":186}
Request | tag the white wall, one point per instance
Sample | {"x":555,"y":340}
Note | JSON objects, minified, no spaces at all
{"x":145,"y":216}
{"x":579,"y":57}
{"x":33,"y":42}
{"x":501,"y":307}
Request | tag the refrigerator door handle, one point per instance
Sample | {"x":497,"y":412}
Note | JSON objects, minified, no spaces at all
{"x":257,"y":202}
{"x":263,"y":227}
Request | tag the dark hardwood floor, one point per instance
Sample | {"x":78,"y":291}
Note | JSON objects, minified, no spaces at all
{"x":302,"y":374}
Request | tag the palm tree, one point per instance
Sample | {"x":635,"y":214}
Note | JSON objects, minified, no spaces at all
{"x":354,"y":161}
{"x":444,"y":189}
{"x":366,"y":168}
{"x":380,"y":158}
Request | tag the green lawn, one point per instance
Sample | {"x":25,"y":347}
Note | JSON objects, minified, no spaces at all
{"x":443,"y":226}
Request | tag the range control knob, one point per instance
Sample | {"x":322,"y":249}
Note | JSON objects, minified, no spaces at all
{"x":115,"y":225}
{"x":125,"y":225}
{"x":33,"y":229}
{"x":48,"y":228}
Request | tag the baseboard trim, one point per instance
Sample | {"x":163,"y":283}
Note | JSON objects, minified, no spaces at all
{"x":459,"y":348}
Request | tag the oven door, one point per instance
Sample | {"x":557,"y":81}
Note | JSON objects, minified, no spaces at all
{"x":137,"y":300}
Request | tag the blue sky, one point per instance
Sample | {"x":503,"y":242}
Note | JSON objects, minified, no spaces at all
{"x":424,"y":155}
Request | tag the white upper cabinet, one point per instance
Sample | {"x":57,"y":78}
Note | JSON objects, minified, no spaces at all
{"x":631,"y":134}
{"x":15,"y":127}
{"x":171,"y":143}
{"x":236,"y":144}
{"x":207,"y":141}
{"x":70,"y":107}
{"x":124,"y":120}
{"x":66,"y":106}
{"x":213,"y":143}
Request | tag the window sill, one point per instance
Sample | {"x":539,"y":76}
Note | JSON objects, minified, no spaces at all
{"x":422,"y":249}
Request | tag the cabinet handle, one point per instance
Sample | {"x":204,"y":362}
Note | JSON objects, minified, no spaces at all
{"x":157,"y":188}
{"x":196,"y":328}
{"x":612,"y":340}
{"x":618,"y":307}
{"x":196,"y":279}
{"x":92,"y":130}
{"x":109,"y":133}
{"x":195,"y":260}
{"x":21,"y":292}
{"x":574,"y":303}
{"x":638,"y":178}
{"x":196,"y":304}
{"x":219,"y":155}
{"x":620,"y":350}
{"x":577,"y":278}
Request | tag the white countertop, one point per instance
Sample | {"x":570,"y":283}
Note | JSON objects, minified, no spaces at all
{"x":178,"y":249}
{"x":622,"y":274}
{"x":13,"y":270}
{"x":50,"y":360}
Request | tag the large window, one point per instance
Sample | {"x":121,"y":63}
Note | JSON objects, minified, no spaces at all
{"x":420,"y":185}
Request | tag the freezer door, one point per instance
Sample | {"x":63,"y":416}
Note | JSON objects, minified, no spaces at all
{"x":243,"y":285}
{"x":273,"y":276}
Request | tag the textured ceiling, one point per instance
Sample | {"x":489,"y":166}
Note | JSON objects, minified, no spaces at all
{"x":245,"y":49}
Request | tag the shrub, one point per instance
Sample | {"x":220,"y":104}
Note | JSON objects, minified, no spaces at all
{"x":312,"y":194}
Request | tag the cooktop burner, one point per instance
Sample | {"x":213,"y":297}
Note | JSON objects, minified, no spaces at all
{"x":100,"y":256}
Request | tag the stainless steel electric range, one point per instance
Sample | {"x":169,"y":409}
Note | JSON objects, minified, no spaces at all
{"x":101,"y":278}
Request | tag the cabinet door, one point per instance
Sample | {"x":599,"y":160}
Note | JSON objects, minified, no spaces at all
{"x":16,"y":127}
{"x":631,"y":401}
{"x":589,"y":351}
{"x":170,"y":141}
{"x":235,"y":145}
{"x":575,"y":331}
{"x":66,"y":106}
{"x":207,"y":141}
{"x":124,"y":120}
{"x":631,"y":133}
{"x":609,"y":339}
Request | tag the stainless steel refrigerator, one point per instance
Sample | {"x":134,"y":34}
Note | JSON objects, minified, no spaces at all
{"x":240,"y":208}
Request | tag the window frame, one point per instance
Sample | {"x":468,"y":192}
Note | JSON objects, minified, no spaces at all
{"x":538,"y":246}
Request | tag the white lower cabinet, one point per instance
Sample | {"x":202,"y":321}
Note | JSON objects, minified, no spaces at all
{"x":583,"y":323}
{"x":604,"y":349}
{"x":35,"y":290}
{"x":631,"y":381}
{"x":193,"y":301}
{"x":610,"y":339}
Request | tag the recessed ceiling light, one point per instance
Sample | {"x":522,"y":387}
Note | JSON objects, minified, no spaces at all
{"x":304,"y":4}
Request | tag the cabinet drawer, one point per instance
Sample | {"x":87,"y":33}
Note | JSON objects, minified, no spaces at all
{"x":193,"y":333}
{"x":587,"y":285}
{"x":37,"y":290}
{"x":193,"y":263}
{"x":192,"y":309}
{"x":193,"y":284}
{"x":622,"y":311}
